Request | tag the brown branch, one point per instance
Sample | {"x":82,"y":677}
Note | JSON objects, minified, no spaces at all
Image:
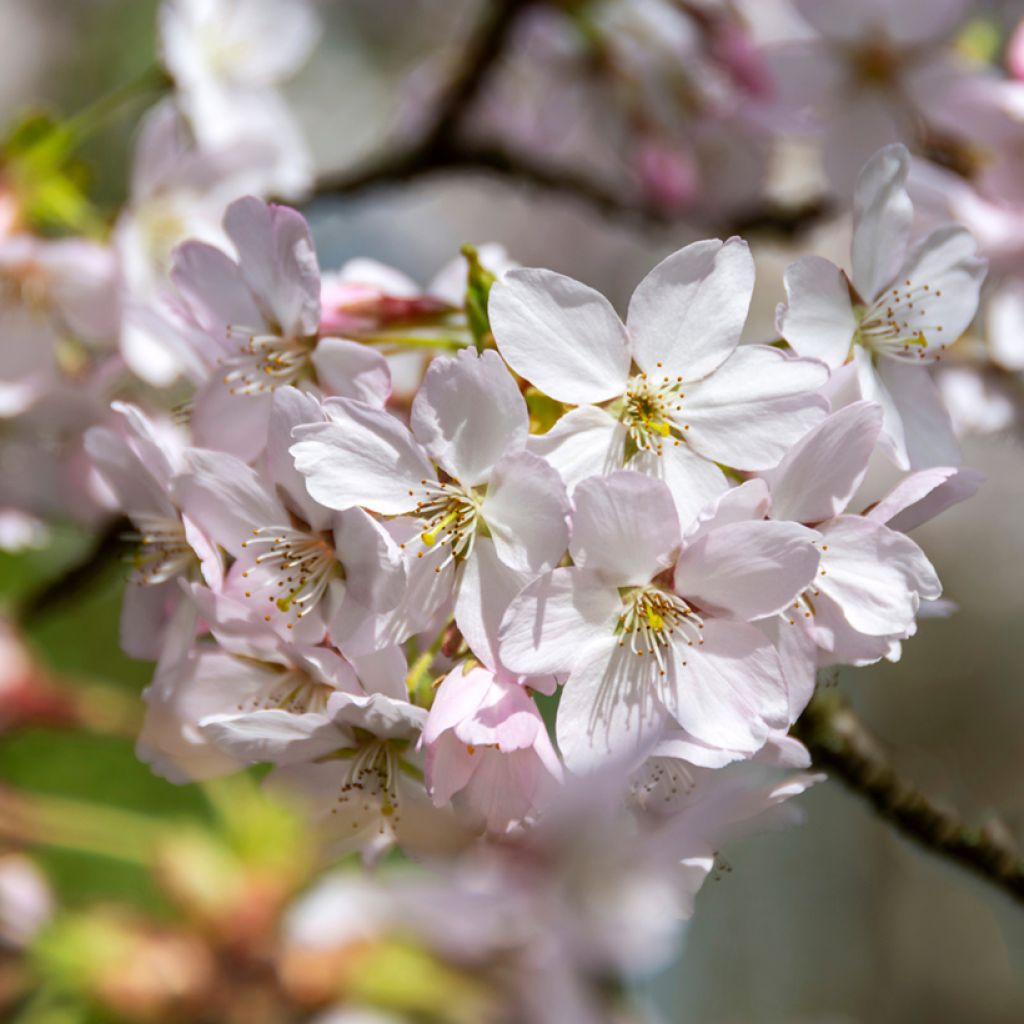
{"x":451,"y":156}
{"x":441,"y":150}
{"x":106,"y":549}
{"x":841,"y":745}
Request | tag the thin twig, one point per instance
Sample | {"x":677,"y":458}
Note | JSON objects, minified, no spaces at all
{"x":841,"y":745}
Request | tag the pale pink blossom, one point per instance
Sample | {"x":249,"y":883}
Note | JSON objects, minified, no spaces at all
{"x":479,"y":505}
{"x":142,"y":462}
{"x":902,"y":306}
{"x":306,"y":570}
{"x":652,"y":628}
{"x":695,"y":398}
{"x":487,"y":748}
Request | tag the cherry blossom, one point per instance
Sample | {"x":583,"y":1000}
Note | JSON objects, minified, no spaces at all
{"x":143,"y":464}
{"x":487,"y":746}
{"x":902,"y":307}
{"x":695,"y":398}
{"x":470,"y":421}
{"x":651,"y":627}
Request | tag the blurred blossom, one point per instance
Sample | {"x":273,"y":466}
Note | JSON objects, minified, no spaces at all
{"x":26,"y":903}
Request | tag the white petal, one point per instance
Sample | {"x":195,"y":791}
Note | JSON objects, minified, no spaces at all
{"x":347,"y":369}
{"x":876,"y":575}
{"x":554,"y":619}
{"x":873,"y":388}
{"x":730,"y":690}
{"x":585,"y":442}
{"x":229,"y":422}
{"x":214,"y":288}
{"x":292,"y":408}
{"x":924,"y":420}
{"x":923,"y":495}
{"x":608,"y":710}
{"x":752,"y":408}
{"x":686,"y":316}
{"x":818,"y":319}
{"x":486,"y":589}
{"x":374,"y":567}
{"x":280,"y":737}
{"x":747,"y":570}
{"x":947,"y":265}
{"x":819,"y":475}
{"x":882,"y":215}
{"x":468,"y":413}
{"x":228,"y":499}
{"x":694,"y":481}
{"x":364,"y":457}
{"x":625,"y":527}
{"x":527,"y":512}
{"x":562,"y":336}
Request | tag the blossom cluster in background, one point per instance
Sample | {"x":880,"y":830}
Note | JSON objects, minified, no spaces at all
{"x":484,"y":571}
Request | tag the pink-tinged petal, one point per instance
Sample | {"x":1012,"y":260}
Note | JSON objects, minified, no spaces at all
{"x":876,"y":575}
{"x":145,"y":613}
{"x":818,"y":319}
{"x":624,"y":527}
{"x":585,"y":442}
{"x":230,"y":423}
{"x":882,"y":215}
{"x":686,"y":315}
{"x":680,"y":745}
{"x":215,"y":290}
{"x":448,"y":766}
{"x":730,"y":691}
{"x":945,"y":275}
{"x":693,"y":480}
{"x":347,"y":369}
{"x":755,"y":406}
{"x":228,"y":499}
{"x":1005,"y":317}
{"x":381,"y":671}
{"x":505,"y":787}
{"x":374,"y":568}
{"x":136,"y":490}
{"x":608,"y":711}
{"x":278,"y":261}
{"x":279,"y":737}
{"x":750,"y":500}
{"x":924,"y":419}
{"x":923,"y":495}
{"x":292,"y":408}
{"x":458,"y":697}
{"x":211,"y":560}
{"x":747,"y":570}
{"x":923,"y":23}
{"x":527,"y":512}
{"x":554,"y":619}
{"x":819,"y":475}
{"x":364,"y":457}
{"x":468,"y":413}
{"x":562,"y":336}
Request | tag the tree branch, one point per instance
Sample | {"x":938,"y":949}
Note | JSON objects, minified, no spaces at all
{"x":841,"y":745}
{"x":441,"y":149}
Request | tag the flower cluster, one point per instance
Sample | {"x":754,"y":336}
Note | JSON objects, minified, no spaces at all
{"x":643,"y":528}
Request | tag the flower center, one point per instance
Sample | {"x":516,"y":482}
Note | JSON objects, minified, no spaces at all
{"x":266,"y":361}
{"x":450,"y":514}
{"x":898,"y":324}
{"x":293,"y":691}
{"x":654,"y":621}
{"x":649,"y":408}
{"x":303,"y":564}
{"x":163,"y":551}
{"x":371,"y":779}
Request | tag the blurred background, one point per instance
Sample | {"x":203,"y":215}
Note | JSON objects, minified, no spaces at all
{"x":838,"y":921}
